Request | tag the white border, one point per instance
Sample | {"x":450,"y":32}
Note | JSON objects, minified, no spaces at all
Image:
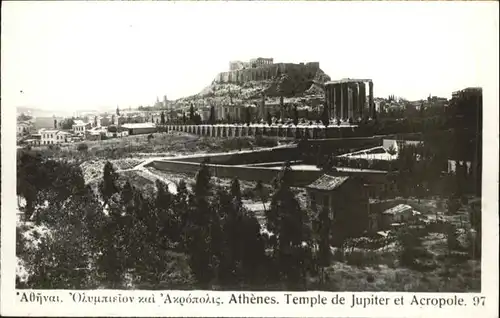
{"x":10,"y":304}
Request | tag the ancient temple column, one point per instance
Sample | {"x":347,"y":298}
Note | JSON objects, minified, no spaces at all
{"x":345,"y":101}
{"x":371,"y":105}
{"x":333,"y":113}
{"x":355,"y":98}
{"x":338,"y":101}
{"x":362,"y":99}
{"x":350,"y":93}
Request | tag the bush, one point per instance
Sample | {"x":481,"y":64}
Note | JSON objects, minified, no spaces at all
{"x":410,"y":244}
{"x":82,"y":147}
{"x":263,"y":141}
{"x":452,"y":238}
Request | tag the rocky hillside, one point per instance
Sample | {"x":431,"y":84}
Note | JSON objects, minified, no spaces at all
{"x":294,"y":84}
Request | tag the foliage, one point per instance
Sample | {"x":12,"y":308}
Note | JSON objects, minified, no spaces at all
{"x":83,"y":147}
{"x":325,"y":117}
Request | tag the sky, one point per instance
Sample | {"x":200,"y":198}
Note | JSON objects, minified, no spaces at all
{"x":97,"y":55}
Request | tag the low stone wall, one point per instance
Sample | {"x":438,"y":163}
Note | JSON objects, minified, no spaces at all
{"x":247,"y":157}
{"x":300,"y":178}
{"x":300,"y":132}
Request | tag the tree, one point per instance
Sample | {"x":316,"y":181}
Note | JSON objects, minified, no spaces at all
{"x":162,"y":118}
{"x":95,"y":121}
{"x":259,"y":189}
{"x":200,"y":244}
{"x":325,"y":119}
{"x":286,"y":220}
{"x":248,"y":115}
{"x":269,"y":119}
{"x":295,"y":115}
{"x":55,"y":123}
{"x":212,"y":115}
{"x":108,"y":185}
{"x":323,"y":227}
{"x":191,"y":113}
{"x":83,"y":147}
{"x":24,"y":117}
{"x":67,"y":123}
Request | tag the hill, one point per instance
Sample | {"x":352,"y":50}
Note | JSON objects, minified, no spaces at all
{"x":295,"y":82}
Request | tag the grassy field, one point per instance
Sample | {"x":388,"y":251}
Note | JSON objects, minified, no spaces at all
{"x":160,"y":144}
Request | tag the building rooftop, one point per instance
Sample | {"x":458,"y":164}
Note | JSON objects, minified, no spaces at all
{"x":139,"y":125}
{"x":327,"y":182}
{"x":78,"y":123}
{"x":400,"y":208}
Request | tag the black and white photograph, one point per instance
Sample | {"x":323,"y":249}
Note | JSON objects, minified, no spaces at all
{"x":253,"y":146}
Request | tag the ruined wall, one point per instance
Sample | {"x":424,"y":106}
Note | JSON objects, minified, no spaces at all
{"x":300,"y":178}
{"x":239,"y":158}
{"x":267,"y":72}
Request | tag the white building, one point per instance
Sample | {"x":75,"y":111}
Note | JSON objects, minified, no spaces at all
{"x":23,"y":128}
{"x":79,"y":127}
{"x":53,"y":136}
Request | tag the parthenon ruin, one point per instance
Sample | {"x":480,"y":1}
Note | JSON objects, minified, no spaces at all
{"x":346,"y":99}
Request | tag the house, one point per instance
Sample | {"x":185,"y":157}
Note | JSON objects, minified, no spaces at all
{"x":140,"y":128}
{"x":116,"y":132}
{"x":33,"y":140}
{"x":345,"y":199}
{"x":79,"y":127}
{"x":53,"y":136}
{"x":23,"y":128}
{"x":393,"y":217}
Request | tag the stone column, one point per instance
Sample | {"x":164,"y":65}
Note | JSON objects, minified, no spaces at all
{"x":345,"y":101}
{"x":334,"y":101}
{"x":338,"y":101}
{"x":362,"y":99}
{"x":355,"y":98}
{"x":350,"y":93}
{"x":370,"y":100}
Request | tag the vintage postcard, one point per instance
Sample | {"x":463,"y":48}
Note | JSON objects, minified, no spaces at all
{"x":249,"y":159}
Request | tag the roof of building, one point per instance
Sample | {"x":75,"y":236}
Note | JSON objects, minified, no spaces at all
{"x":327,"y":182}
{"x":63,"y":132}
{"x":78,"y":123}
{"x":400,"y":208}
{"x":50,"y":131}
{"x":139,"y":125}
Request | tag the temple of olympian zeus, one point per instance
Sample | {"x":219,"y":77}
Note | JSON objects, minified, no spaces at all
{"x":346,"y":98}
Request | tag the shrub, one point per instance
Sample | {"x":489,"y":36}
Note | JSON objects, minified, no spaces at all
{"x":263,"y":141}
{"x":452,"y":238}
{"x":452,"y":205}
{"x":409,"y":243}
{"x":82,"y":147}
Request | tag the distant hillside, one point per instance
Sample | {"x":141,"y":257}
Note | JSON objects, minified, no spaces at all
{"x":37,"y":112}
{"x":292,"y":81}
